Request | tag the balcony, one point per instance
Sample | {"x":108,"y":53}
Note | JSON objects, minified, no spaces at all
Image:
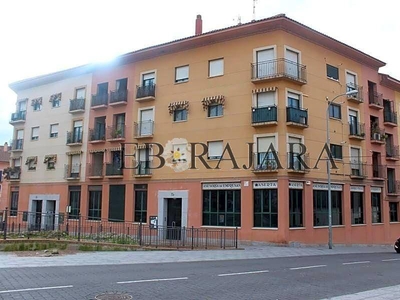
{"x":278,"y":69}
{"x":76,"y":106}
{"x":18,"y":117}
{"x":143,"y":169}
{"x":72,"y":171}
{"x":144,"y":129}
{"x":116,"y":133}
{"x":297,"y":117}
{"x":357,"y":131}
{"x":99,"y":101}
{"x":17,"y":145}
{"x":95,"y":170}
{"x":294,"y":164}
{"x":393,"y":187}
{"x":12,"y":173}
{"x":118,"y":98}
{"x":145,"y":92}
{"x":356,"y":98}
{"x":264,"y":162}
{"x":378,"y":172}
{"x":389,"y":118}
{"x":114,"y":170}
{"x":74,"y":138}
{"x":264,"y":116}
{"x":392,"y":152}
{"x":358,"y":170}
{"x":375,"y":100}
{"x":377,"y":135}
{"x":97,"y":135}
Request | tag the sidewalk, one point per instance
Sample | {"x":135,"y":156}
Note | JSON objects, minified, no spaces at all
{"x":8,"y":260}
{"x":387,"y":293}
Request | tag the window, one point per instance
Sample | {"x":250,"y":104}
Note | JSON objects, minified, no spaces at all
{"x":182,"y":74}
{"x":336,"y":151}
{"x":265,"y":159}
{"x":78,"y":132}
{"x":37,"y":106}
{"x":265,"y":99}
{"x":376,"y":208}
{"x":1,"y":175}
{"x":81,"y":93}
{"x":54,"y":130}
{"x":148,"y":79}
{"x":50,"y":162}
{"x":215,"y":149}
{"x":215,"y":110}
{"x":14,"y":204}
{"x":216,"y":67}
{"x":55,"y":101}
{"x":266,"y":208}
{"x":351,"y":82}
{"x":140,"y":203}
{"x":17,"y":162}
{"x":357,"y":208}
{"x":121,"y":85}
{"x":393,"y":211}
{"x":221,"y":208}
{"x":293,"y":100}
{"x":332,"y":72}
{"x":180,"y":115}
{"x":22,"y":106}
{"x":31,"y":162}
{"x":116,"y":204}
{"x":35,"y":133}
{"x":295,"y":208}
{"x":321,"y":208}
{"x":335,"y":111}
{"x":95,"y":195}
{"x":74,"y":202}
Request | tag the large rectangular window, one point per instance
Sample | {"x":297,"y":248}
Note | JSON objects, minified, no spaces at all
{"x":216,"y":67}
{"x":394,"y":211}
{"x":116,"y":204}
{"x":336,"y":151}
{"x":95,"y":195}
{"x":221,"y":207}
{"x":296,"y":208}
{"x":266,"y":208}
{"x":335,"y":111}
{"x":376,"y":208}
{"x":357,"y":208}
{"x":141,"y":203}
{"x":14,"y":204}
{"x":321,"y":208}
{"x":332,"y":72}
{"x":74,"y":201}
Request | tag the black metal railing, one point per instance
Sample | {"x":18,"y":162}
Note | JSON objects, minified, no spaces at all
{"x":143,"y":168}
{"x":264,"y":114}
{"x":113,"y":169}
{"x":392,"y":151}
{"x":265,"y":161}
{"x":377,"y":134}
{"x":76,"y":104}
{"x":17,"y":144}
{"x":375,"y":98}
{"x":393,"y":186}
{"x":12,"y":173}
{"x":143,"y":128}
{"x":297,"y":115}
{"x":74,"y":137}
{"x":93,"y":228}
{"x":99,"y":99}
{"x":98,"y":134}
{"x":358,"y":169}
{"x":280,"y":67}
{"x":116,"y":132}
{"x":95,"y":170}
{"x":72,"y":171}
{"x":378,"y":171}
{"x":119,"y":96}
{"x":357,"y":129}
{"x":389,"y":116}
{"x":356,"y":96}
{"x":145,"y":91}
{"x":18,"y":116}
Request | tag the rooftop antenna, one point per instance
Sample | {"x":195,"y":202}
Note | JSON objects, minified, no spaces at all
{"x":238,"y":19}
{"x":254,"y":9}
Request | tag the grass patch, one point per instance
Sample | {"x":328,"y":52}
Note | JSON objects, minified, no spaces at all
{"x":35,"y":246}
{"x":101,"y":248}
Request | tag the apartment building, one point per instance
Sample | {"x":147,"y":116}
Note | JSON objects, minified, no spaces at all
{"x":253,"y":98}
{"x":4,"y":164}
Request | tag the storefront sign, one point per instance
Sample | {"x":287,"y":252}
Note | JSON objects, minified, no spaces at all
{"x":356,"y":188}
{"x":296,"y":185}
{"x":265,"y":185}
{"x":222,"y":186}
{"x":375,"y":189}
{"x":324,"y":187}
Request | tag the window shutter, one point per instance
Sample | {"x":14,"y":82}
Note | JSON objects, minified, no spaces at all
{"x":266,"y":99}
{"x":215,"y":149}
{"x":182,"y":73}
{"x":54,"y":128}
{"x":264,"y":143}
{"x":216,"y":67}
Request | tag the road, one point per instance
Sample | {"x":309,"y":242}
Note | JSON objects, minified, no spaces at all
{"x":313,"y":277}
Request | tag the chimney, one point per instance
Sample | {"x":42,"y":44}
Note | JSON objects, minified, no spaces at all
{"x":5,"y":148}
{"x":199,"y":25}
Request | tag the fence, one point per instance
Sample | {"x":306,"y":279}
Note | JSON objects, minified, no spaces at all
{"x":81,"y":228}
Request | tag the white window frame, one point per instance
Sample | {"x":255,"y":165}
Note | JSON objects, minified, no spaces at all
{"x":15,"y":160}
{"x":51,"y":127}
{"x":301,"y":95}
{"x":255,"y":95}
{"x":80,"y":88}
{"x":208,"y":148}
{"x":356,"y":110}
{"x":32,"y":136}
{"x":209,"y":67}
{"x":186,"y":79}
{"x":257,"y":136}
{"x":297,"y":136}
{"x":351,"y":73}
{"x":360,"y":160}
{"x":148,"y":72}
{"x":255,"y":50}
{"x":286,"y":47}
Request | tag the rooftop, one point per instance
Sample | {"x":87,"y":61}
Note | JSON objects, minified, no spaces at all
{"x":4,"y":155}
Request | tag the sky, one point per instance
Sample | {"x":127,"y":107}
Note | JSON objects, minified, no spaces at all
{"x":42,"y":36}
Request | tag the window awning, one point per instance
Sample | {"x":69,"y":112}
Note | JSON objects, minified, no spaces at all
{"x":55,"y":97}
{"x":178,"y":105}
{"x":207,"y":101}
{"x":32,"y":159}
{"x":266,"y":89}
{"x":97,"y":150}
{"x":49,"y":157}
{"x":37,"y":101}
{"x":74,"y":152}
{"x":114,"y":149}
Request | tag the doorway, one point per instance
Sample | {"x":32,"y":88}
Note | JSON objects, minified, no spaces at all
{"x":50,"y":214}
{"x":174,"y":218}
{"x":37,"y":214}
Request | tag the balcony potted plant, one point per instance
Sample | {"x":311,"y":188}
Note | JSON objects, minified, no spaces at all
{"x":117,"y":134}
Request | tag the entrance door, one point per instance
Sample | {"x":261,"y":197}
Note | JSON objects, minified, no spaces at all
{"x":174,"y":218}
{"x":50,"y":214}
{"x":37,"y":214}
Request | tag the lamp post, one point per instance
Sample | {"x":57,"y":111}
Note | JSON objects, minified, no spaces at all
{"x":328,"y":167}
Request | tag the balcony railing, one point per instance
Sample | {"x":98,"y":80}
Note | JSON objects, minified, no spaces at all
{"x":358,"y":97}
{"x":393,"y":186}
{"x":264,"y":114}
{"x":294,"y":163}
{"x":12,"y":173}
{"x":298,"y":116}
{"x":17,"y":145}
{"x":378,"y":171}
{"x":72,"y":171}
{"x":392,"y":151}
{"x":358,"y":170}
{"x":95,"y":170}
{"x":277,"y":68}
{"x":99,"y":100}
{"x":76,"y":105}
{"x":144,"y":129}
{"x":389,"y":117}
{"x":116,"y":132}
{"x":357,"y":130}
{"x":144,"y":168}
{"x":18,"y":116}
{"x":375,"y":99}
{"x":113,"y":169}
{"x":377,"y":135}
{"x":98,"y":134}
{"x":74,"y":137}
{"x":118,"y":96}
{"x":146,"y":91}
{"x":265,"y":162}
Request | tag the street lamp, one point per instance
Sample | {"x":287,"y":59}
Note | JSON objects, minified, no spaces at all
{"x":328,"y":165}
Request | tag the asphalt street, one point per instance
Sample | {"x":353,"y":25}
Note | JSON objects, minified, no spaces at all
{"x":313,"y":277}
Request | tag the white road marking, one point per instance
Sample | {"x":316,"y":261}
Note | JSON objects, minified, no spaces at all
{"x":308,"y":267}
{"x":244,"y":273}
{"x":391,"y":259}
{"x":357,"y":262}
{"x":36,"y":289}
{"x":153,"y":280}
